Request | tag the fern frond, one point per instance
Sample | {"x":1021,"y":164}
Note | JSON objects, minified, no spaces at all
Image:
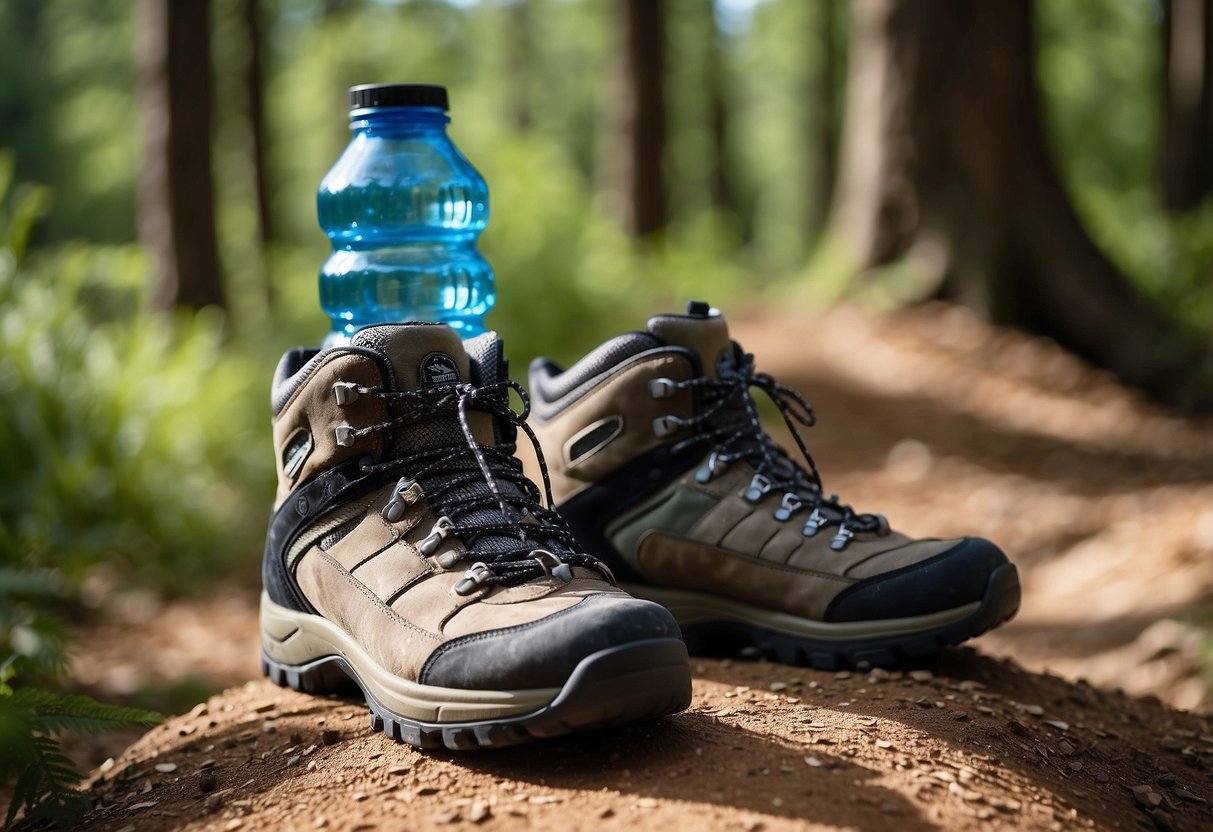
{"x":52,"y":714}
{"x":46,"y":788}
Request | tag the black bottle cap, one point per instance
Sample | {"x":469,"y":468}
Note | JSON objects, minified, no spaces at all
{"x":397,"y":95}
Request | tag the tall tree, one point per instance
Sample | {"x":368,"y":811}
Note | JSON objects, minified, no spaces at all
{"x":521,"y":57}
{"x":723,"y":197}
{"x":176,"y":195}
{"x":636,"y":183}
{"x":254,"y":87}
{"x":823,"y":128}
{"x":945,"y":162}
{"x":1187,"y":135}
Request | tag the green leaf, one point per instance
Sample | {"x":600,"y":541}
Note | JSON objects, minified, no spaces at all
{"x":52,"y":714}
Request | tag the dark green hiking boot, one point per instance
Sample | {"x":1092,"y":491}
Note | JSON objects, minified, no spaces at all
{"x":660,"y":465}
{"x":408,"y":552}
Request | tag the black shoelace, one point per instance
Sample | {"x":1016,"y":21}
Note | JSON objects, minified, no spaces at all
{"x":727,"y":420}
{"x":478,"y":492}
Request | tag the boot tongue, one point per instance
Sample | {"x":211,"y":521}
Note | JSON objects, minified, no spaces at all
{"x":426,"y":355}
{"x":702,"y":329}
{"x":429,"y":355}
{"x":421,"y":355}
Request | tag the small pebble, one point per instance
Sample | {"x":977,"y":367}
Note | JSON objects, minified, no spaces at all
{"x":480,"y":812}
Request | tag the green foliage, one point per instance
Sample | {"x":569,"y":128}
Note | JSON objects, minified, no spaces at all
{"x":66,"y":106}
{"x":42,"y":779}
{"x":126,"y":434}
{"x":1100,"y":67}
{"x":32,"y":643}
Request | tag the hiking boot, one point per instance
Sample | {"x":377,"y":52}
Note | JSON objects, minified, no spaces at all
{"x":661,"y":467}
{"x":408,"y":552}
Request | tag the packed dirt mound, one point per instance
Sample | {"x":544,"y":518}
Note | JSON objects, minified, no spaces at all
{"x":944,"y":424}
{"x":974,"y":743}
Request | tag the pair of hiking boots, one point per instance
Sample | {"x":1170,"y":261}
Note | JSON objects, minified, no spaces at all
{"x":477,"y":606}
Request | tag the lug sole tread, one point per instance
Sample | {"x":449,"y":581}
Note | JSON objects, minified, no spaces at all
{"x":618,"y":686}
{"x":999,"y":605}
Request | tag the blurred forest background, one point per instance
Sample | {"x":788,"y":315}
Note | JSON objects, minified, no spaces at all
{"x":1048,"y":164}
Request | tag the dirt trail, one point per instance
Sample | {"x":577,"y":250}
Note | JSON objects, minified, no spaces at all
{"x":947,"y":426}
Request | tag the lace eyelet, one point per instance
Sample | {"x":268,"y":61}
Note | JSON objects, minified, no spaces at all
{"x":710,"y":468}
{"x":814,"y":524}
{"x":407,"y":493}
{"x":788,"y":507}
{"x":346,"y":434}
{"x":759,"y":487}
{"x":662,"y":388}
{"x":449,"y":560}
{"x":440,"y":532}
{"x":552,"y":565}
{"x":345,"y":392}
{"x":665,"y":425}
{"x":842,"y":538}
{"x":473,"y":579}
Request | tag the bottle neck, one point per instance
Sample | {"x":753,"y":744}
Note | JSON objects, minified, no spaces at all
{"x":399,"y":120}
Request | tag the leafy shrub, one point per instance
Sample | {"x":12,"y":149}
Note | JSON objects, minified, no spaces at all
{"x":42,"y":780}
{"x":128,"y":435}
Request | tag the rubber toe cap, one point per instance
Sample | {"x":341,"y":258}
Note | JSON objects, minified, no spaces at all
{"x":950,"y":579}
{"x":543,"y":653}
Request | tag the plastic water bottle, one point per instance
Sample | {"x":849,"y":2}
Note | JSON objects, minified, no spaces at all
{"x":403,"y":209}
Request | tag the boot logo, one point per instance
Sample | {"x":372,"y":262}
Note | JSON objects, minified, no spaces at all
{"x":437,"y":368}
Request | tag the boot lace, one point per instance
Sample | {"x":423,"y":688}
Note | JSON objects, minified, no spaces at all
{"x":727,"y":420}
{"x":478,"y":492}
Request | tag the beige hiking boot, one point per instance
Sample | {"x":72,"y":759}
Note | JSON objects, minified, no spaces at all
{"x":408,"y":552}
{"x":661,"y":467}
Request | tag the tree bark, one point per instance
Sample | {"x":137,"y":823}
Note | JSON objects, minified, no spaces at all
{"x":176,"y":196}
{"x":254,"y":86}
{"x":520,"y":46}
{"x":1187,"y":134}
{"x":638,"y":193}
{"x":945,"y":162}
{"x":723,"y":197}
{"x":823,"y":128}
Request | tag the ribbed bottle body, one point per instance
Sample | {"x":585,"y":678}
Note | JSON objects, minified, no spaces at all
{"x":403,"y":209}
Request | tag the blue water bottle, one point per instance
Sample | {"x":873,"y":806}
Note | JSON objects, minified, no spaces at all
{"x":403,"y":209}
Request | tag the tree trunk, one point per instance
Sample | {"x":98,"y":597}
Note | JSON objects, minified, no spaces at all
{"x":176,"y":196}
{"x":945,"y":162}
{"x":521,"y":49}
{"x":254,"y":86}
{"x":718,"y":119}
{"x":823,"y":127}
{"x":1187,"y":135}
{"x":636,"y":183}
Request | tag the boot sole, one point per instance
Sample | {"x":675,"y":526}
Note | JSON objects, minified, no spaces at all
{"x":620,"y":685}
{"x":714,"y":626}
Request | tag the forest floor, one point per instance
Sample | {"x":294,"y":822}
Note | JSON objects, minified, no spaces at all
{"x":1089,"y":710}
